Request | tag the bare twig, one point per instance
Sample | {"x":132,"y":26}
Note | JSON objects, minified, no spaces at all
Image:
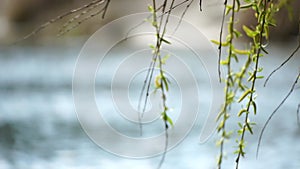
{"x":82,"y":21}
{"x":146,"y":81}
{"x":103,"y":10}
{"x":289,"y":58}
{"x":160,"y":27}
{"x":283,"y":63}
{"x":150,"y":71}
{"x":159,"y":16}
{"x":72,"y":20}
{"x":182,"y":15}
{"x":45,"y":25}
{"x":166,"y":147}
{"x":298,"y":113}
{"x":220,"y":40}
{"x":200,"y":5}
{"x":273,"y":113}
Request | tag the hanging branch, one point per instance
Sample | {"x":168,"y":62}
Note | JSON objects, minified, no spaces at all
{"x":273,"y":113}
{"x":182,"y":15}
{"x":103,"y":10}
{"x":75,"y":18}
{"x":283,"y":63}
{"x":247,"y":125}
{"x":220,"y":40}
{"x":161,"y":82}
{"x":149,"y":76}
{"x":60,"y":17}
{"x":229,"y":84}
{"x":163,"y":79}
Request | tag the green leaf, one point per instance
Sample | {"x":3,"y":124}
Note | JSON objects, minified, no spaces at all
{"x":227,"y":135}
{"x":237,"y":33}
{"x":242,"y":111}
{"x":259,"y":77}
{"x":240,"y":125}
{"x":218,"y":43}
{"x":228,"y":9}
{"x":244,"y":95}
{"x":251,"y":77}
{"x":152,"y":46}
{"x":272,"y":24}
{"x":241,"y":52}
{"x":235,"y":57}
{"x":224,"y":62}
{"x":154,"y":24}
{"x":250,"y":33}
{"x":254,"y":107}
{"x":164,"y":40}
{"x":157,"y":81}
{"x":150,"y":8}
{"x":170,"y":121}
{"x":165,"y":58}
{"x":221,"y":125}
{"x":266,"y":32}
{"x":249,"y":128}
{"x":249,"y":5}
{"x":230,"y":97}
{"x":164,"y":79}
{"x":219,"y":142}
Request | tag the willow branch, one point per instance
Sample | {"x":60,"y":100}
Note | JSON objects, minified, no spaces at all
{"x":273,"y":113}
{"x":45,"y":25}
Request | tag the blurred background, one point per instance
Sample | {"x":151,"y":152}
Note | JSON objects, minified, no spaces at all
{"x":38,"y":123}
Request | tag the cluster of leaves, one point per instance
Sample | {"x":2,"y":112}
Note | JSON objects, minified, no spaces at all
{"x":160,"y":15}
{"x":240,"y":86}
{"x":161,"y":82}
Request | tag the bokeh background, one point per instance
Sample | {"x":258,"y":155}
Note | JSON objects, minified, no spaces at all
{"x":38,"y":123}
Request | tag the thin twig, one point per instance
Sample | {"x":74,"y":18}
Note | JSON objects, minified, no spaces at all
{"x":273,"y":113}
{"x":228,"y":83}
{"x":105,"y":8}
{"x":298,"y":113}
{"x":182,"y":15}
{"x":200,"y":5}
{"x":166,"y":147}
{"x":294,"y":52}
{"x":165,"y":121}
{"x":136,"y":26}
{"x":156,"y":52}
{"x":254,"y":79}
{"x":45,"y":25}
{"x":146,"y":81}
{"x":72,"y":20}
{"x":81,"y":21}
{"x":159,"y":16}
{"x":159,"y":43}
{"x":283,"y":63}
{"x":220,"y":40}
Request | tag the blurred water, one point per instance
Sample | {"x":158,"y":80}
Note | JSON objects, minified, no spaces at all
{"x":39,"y":127}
